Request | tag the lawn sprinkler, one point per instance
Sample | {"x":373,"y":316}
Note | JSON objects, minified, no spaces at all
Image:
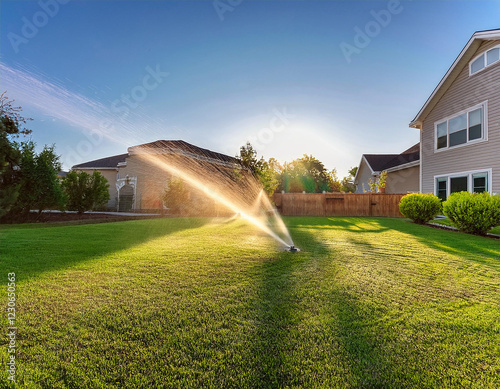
{"x":293,"y":249}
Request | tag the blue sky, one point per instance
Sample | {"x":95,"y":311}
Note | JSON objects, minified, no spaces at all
{"x":98,"y":76}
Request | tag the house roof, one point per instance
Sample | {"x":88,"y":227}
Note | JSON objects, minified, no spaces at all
{"x":378,"y":162}
{"x":462,"y":60}
{"x":160,"y":146}
{"x":184,"y":148}
{"x":103,"y":163}
{"x":381,"y":162}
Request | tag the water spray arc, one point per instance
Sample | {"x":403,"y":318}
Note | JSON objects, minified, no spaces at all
{"x":247,"y":199}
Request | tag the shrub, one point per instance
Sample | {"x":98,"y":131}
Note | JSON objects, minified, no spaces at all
{"x":85,"y":192}
{"x":176,"y":198}
{"x":474,"y":213}
{"x":420,"y":207}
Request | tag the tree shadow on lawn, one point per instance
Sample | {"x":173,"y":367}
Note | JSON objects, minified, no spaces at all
{"x":274,"y":315}
{"x":280,"y":333}
{"x":30,"y":252}
{"x":355,"y":324}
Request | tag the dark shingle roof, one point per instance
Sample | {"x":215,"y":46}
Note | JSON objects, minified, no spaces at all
{"x":168,"y":146}
{"x":380,"y":162}
{"x":180,"y":146}
{"x":108,"y":162}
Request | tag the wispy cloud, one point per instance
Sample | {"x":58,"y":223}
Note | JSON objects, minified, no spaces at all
{"x":52,"y":98}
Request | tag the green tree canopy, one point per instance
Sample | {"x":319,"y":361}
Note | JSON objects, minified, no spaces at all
{"x":306,"y":174}
{"x":348,"y":181}
{"x":11,"y":126}
{"x":39,"y":186}
{"x":85,"y":192}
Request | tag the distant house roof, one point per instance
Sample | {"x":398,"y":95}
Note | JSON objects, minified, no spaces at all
{"x":381,"y":162}
{"x":163,"y":147}
{"x":103,"y":163}
{"x":184,"y":148}
{"x":62,"y":174}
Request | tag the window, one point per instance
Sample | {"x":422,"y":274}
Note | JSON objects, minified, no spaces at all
{"x":462,"y":128}
{"x":480,"y":182}
{"x":457,"y":129}
{"x":441,"y":185}
{"x":476,"y":181}
{"x":475,"y":124}
{"x":458,"y":184}
{"x":486,"y":59}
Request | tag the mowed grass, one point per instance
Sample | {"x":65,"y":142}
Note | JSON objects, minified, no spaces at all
{"x":447,"y":222}
{"x":199,"y":303}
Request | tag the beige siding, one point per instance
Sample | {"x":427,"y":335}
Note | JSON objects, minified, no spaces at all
{"x":465,"y":92}
{"x":403,"y":181}
{"x":151,"y":182}
{"x":364,"y":174}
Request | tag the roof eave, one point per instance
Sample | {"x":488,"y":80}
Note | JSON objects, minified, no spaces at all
{"x":403,"y":166}
{"x":93,"y":168}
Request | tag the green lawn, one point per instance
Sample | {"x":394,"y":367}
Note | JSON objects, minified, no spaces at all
{"x":193,"y":303}
{"x":447,"y":222}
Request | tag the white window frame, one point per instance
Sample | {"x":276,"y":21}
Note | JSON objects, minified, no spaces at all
{"x":484,"y":129}
{"x":470,"y":184}
{"x":485,"y":53}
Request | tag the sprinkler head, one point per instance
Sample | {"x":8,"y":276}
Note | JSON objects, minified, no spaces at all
{"x":293,"y":249}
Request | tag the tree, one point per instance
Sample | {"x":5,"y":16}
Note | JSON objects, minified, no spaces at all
{"x":39,"y":186}
{"x":85,"y":192}
{"x":265,"y":172}
{"x":306,"y":174}
{"x":334,"y":182}
{"x":269,"y":175}
{"x":176,"y":197}
{"x":348,"y":181}
{"x":248,"y":159}
{"x":11,"y":126}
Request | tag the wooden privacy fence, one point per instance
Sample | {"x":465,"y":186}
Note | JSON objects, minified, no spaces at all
{"x":338,"y":204}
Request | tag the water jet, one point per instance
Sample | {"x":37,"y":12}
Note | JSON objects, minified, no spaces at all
{"x":239,"y":193}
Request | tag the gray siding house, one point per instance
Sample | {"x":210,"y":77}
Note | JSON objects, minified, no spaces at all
{"x":402,"y":171}
{"x":460,"y":123}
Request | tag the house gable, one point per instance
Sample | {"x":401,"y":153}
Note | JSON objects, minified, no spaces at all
{"x":468,"y":53}
{"x":459,"y":93}
{"x":402,"y":170}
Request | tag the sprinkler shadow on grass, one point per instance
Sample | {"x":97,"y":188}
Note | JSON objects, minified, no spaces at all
{"x":31,"y":252}
{"x":274,"y":315}
{"x":280,"y":334}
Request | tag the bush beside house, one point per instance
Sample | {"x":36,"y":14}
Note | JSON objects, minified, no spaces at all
{"x":420,"y":207}
{"x":475,"y":213}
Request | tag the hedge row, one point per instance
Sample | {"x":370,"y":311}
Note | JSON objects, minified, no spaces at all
{"x":474,"y":213}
